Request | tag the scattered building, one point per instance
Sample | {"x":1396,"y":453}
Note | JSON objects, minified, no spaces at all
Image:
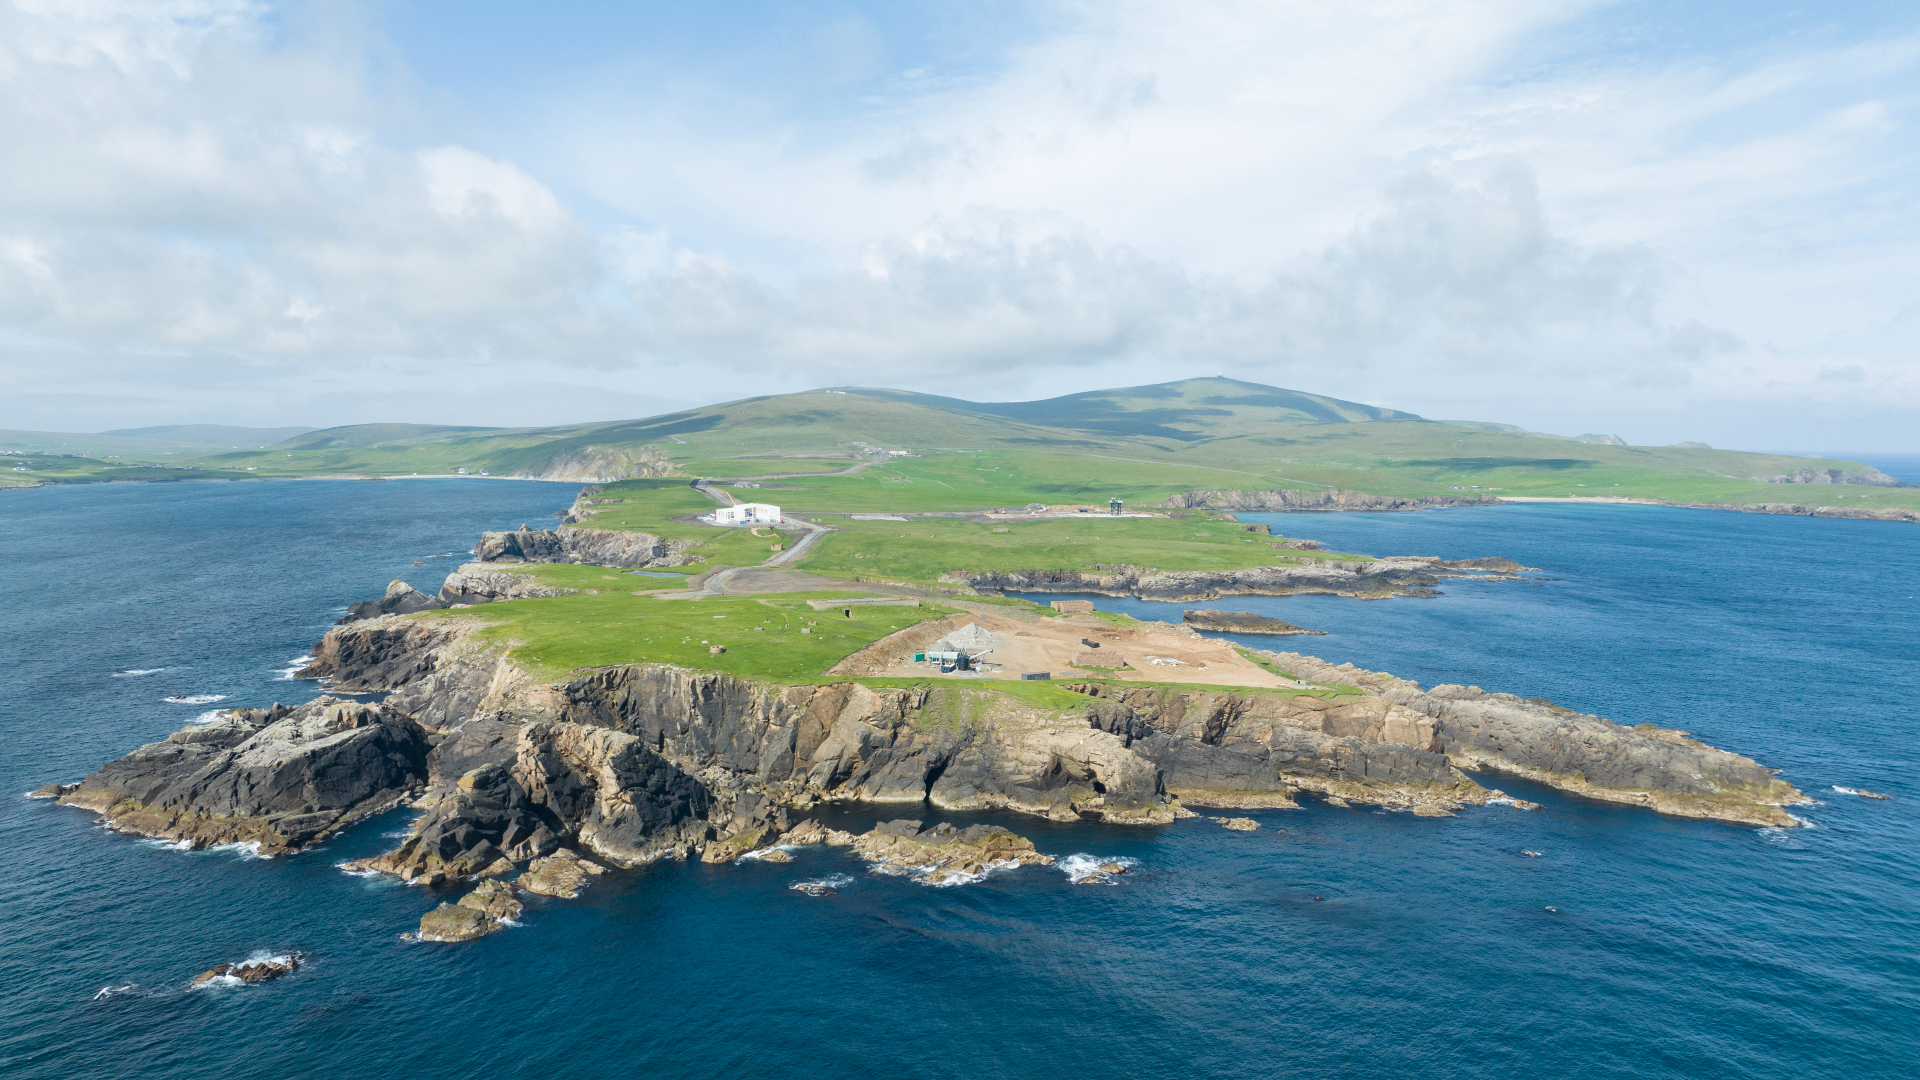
{"x":748,"y":514}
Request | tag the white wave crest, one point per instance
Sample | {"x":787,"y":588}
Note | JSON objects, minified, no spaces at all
{"x":209,"y":716}
{"x":112,"y":991}
{"x":833,"y":882}
{"x":194,"y":699}
{"x":294,"y":665}
{"x":761,"y":853}
{"x":169,"y":845}
{"x":249,"y":849}
{"x":1083,"y":869}
{"x":924,"y":874}
{"x":136,"y":672}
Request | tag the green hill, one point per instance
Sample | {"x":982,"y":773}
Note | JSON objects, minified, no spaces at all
{"x":828,"y":449}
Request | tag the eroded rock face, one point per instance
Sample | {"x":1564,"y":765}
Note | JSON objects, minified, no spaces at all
{"x":281,"y":778}
{"x":401,"y":599}
{"x":489,"y":907}
{"x":1241,"y":622}
{"x":644,"y":761}
{"x":596,"y":547}
{"x":562,"y":874}
{"x":475,"y":583}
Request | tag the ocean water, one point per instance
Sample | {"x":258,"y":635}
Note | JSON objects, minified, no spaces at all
{"x":1331,"y":943}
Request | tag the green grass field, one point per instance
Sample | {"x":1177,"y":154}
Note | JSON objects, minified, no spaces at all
{"x":1140,"y":444}
{"x":921,"y":550}
{"x":762,"y":635}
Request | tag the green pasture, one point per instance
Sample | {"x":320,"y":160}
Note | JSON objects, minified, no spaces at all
{"x":922,"y":549}
{"x":555,"y":635}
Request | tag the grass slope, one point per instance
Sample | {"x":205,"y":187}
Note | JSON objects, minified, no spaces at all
{"x":1138,"y":443}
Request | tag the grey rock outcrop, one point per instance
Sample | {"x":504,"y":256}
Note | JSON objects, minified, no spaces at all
{"x":280,"y":778}
{"x":400,"y":599}
{"x":567,"y":544}
{"x":475,"y":583}
{"x":1241,"y":622}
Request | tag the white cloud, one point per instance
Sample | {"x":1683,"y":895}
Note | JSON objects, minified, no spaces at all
{"x":1362,"y":199}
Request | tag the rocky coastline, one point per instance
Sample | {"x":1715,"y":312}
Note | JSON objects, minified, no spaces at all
{"x":1371,"y":579}
{"x":1241,"y":622}
{"x":553,"y":780}
{"x":1277,"y":500}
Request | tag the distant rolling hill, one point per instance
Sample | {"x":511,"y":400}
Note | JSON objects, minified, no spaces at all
{"x":1142,"y":443}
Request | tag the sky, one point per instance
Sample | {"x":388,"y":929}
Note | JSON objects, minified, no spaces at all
{"x":1668,"y":222}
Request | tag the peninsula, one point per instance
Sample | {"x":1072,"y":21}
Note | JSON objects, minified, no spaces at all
{"x":635,"y":686}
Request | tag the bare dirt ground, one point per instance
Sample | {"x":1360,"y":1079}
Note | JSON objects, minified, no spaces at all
{"x":1150,"y":652}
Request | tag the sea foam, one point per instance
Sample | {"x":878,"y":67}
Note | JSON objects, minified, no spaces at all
{"x":194,"y":699}
{"x":1083,"y":869}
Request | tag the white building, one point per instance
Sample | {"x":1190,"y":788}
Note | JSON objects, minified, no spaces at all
{"x":748,"y":514}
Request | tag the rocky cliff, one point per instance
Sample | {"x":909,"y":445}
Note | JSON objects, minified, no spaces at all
{"x":644,"y":761}
{"x":1371,"y":579}
{"x":573,"y":544}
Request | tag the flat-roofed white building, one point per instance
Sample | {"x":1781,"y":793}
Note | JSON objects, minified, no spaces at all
{"x":748,"y":514}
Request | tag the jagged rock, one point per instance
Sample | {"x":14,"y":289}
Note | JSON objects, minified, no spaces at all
{"x":562,"y":874}
{"x":1241,"y":622}
{"x":455,"y":922}
{"x":401,"y":599}
{"x":773,"y":855}
{"x":280,"y":778}
{"x":478,"y":584}
{"x":812,"y":832}
{"x":493,"y":899}
{"x":1238,"y":824}
{"x":944,"y":850}
{"x":595,"y":547}
{"x":251,"y":972}
{"x":51,"y":791}
{"x":1113,"y":868}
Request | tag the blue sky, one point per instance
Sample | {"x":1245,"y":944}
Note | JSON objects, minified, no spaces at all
{"x":1663,"y":221}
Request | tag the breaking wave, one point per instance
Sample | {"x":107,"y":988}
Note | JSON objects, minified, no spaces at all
{"x":209,"y":716}
{"x":924,"y":874}
{"x":293,"y":665}
{"x":113,"y":991}
{"x":134,"y":673}
{"x":249,"y":849}
{"x":1083,"y":869}
{"x":194,"y":699}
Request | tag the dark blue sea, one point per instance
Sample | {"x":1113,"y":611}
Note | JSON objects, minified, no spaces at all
{"x":1351,"y":944}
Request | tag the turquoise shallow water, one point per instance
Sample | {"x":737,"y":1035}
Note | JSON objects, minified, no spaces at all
{"x":1636,"y":946}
